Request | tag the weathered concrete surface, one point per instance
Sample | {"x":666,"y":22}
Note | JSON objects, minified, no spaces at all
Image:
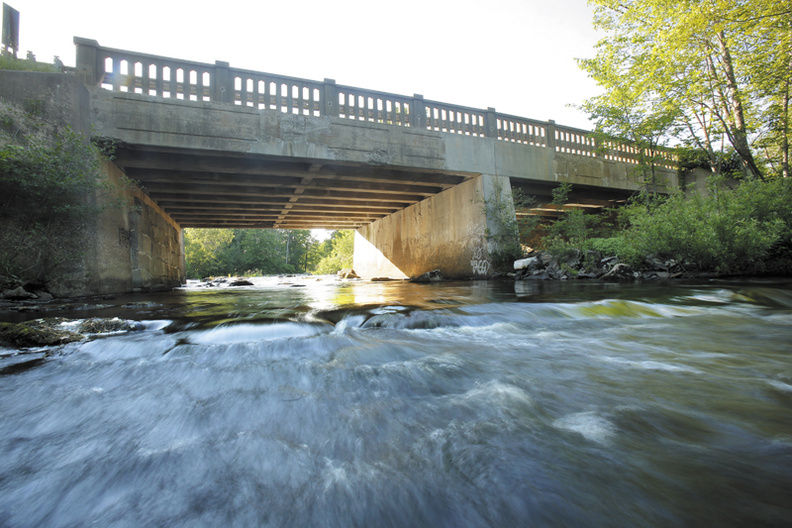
{"x":56,"y":97}
{"x":133,"y":244}
{"x":451,"y":231}
{"x":206,"y":126}
{"x":137,"y":246}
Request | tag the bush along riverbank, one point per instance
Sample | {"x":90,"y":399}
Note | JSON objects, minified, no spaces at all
{"x":742,"y":230}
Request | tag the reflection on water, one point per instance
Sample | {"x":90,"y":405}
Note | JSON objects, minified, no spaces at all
{"x":320,"y":403}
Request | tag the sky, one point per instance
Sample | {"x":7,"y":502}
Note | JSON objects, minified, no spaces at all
{"x":517,"y":56}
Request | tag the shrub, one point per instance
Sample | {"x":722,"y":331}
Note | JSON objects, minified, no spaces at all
{"x":48,"y":186}
{"x":729,"y":230}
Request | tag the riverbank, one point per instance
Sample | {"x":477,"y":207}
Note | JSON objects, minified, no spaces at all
{"x":592,"y":265}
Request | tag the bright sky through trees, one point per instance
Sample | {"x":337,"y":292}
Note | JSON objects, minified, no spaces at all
{"x":514,"y":55}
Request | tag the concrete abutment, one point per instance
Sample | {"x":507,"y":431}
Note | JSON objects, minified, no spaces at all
{"x":456,"y":231}
{"x":132,"y":244}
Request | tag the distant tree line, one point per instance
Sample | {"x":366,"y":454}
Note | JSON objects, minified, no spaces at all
{"x":220,"y":252}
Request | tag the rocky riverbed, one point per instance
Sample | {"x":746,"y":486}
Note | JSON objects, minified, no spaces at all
{"x":542,"y":266}
{"x":55,"y":331}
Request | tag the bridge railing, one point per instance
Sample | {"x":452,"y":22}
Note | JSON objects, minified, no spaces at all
{"x":127,"y":71}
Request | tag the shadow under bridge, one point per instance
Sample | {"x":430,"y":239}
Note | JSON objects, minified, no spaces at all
{"x":211,"y":189}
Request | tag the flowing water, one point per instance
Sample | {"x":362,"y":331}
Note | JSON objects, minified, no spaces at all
{"x":356,"y":404}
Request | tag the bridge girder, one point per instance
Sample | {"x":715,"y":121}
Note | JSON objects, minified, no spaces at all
{"x":211,"y":189}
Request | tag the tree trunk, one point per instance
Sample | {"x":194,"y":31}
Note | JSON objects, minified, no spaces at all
{"x":738,"y":133}
{"x":785,"y":125}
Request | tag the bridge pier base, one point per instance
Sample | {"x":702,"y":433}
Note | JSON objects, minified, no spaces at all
{"x":130,"y":246}
{"x":456,"y":231}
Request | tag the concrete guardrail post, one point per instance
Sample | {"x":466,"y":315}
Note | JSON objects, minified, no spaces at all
{"x":491,"y":125}
{"x":88,"y":68}
{"x":223,"y":89}
{"x":329,"y":106}
{"x":418,"y":112}
{"x":551,"y":135}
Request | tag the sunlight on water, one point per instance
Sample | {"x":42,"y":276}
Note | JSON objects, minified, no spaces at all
{"x":304,"y":402}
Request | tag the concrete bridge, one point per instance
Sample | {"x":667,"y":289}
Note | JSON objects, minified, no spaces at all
{"x":215,"y":146}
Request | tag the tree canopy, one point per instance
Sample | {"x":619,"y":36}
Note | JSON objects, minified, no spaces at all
{"x":211,"y":252}
{"x":714,"y":74}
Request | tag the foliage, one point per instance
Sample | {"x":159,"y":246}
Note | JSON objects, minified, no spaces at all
{"x":202,"y":249}
{"x":728,"y":230}
{"x":10,"y":63}
{"x":212,"y":252}
{"x":617,"y":246}
{"x":340,"y":251}
{"x":527,"y":224}
{"x":48,"y":188}
{"x":571,"y":231}
{"x":561,"y":194}
{"x":707,"y":72}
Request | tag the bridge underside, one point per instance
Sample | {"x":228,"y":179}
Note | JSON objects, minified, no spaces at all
{"x":232,"y":190}
{"x":219,"y":190}
{"x":590,"y":199}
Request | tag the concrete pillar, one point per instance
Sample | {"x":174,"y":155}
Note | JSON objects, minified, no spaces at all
{"x":418,"y":112}
{"x":456,"y":231}
{"x":223,"y":83}
{"x":551,"y":135}
{"x":491,"y":124}
{"x":330,"y":98}
{"x":135,"y":245}
{"x":89,"y":69}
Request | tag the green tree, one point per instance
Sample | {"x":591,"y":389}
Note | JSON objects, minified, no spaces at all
{"x":726,"y":230}
{"x":703,"y":71}
{"x":247,"y":251}
{"x":342,"y":245}
{"x":299,"y":243}
{"x":202,"y":251}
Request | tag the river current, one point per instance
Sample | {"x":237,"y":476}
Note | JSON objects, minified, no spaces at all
{"x":304,"y":403}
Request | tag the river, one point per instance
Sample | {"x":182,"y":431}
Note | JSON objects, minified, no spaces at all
{"x":299,"y":402}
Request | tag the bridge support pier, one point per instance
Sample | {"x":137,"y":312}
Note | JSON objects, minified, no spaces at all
{"x":457,"y":231}
{"x":133,"y":247}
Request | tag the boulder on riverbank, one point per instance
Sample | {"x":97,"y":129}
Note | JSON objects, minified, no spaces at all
{"x":27,"y":292}
{"x":429,"y":276}
{"x":593,"y":265}
{"x":347,"y":273}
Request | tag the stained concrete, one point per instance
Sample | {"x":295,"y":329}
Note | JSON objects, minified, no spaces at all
{"x":452,"y":231}
{"x":132,"y":245}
